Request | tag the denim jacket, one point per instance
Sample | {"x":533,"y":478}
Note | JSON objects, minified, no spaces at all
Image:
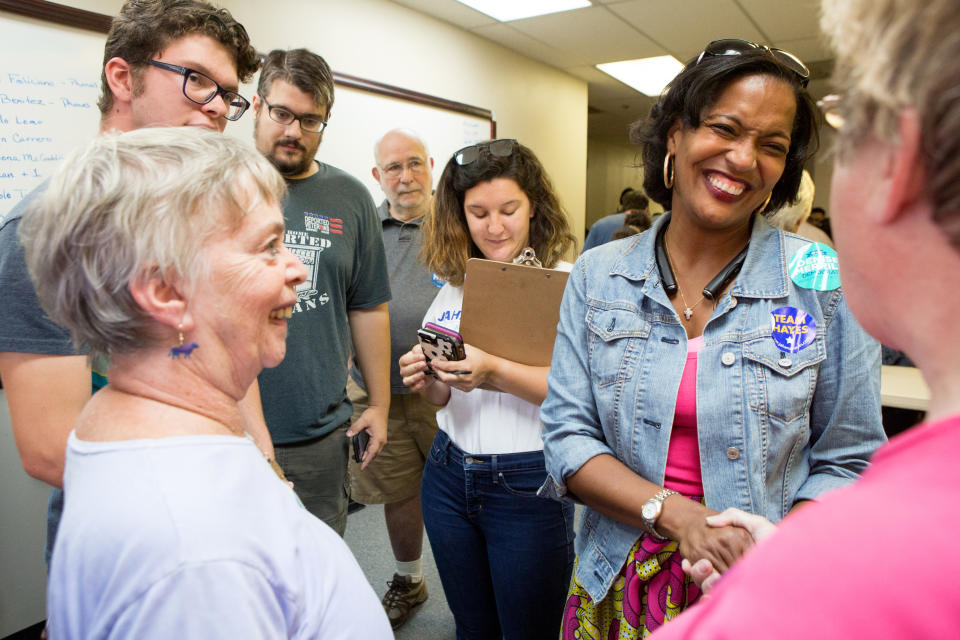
{"x":773,"y":428}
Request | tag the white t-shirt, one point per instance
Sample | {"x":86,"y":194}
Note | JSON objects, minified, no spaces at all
{"x":197,"y":537}
{"x":482,"y":421}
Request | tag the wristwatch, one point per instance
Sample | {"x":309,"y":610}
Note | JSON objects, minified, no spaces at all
{"x":651,"y":511}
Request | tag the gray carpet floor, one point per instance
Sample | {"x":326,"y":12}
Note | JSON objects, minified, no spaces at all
{"x":367,"y":537}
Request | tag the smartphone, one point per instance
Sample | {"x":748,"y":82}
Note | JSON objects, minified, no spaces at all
{"x":440,"y":343}
{"x":360,"y":441}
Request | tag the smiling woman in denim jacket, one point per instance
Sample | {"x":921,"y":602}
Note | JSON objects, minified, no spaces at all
{"x":710,"y":362}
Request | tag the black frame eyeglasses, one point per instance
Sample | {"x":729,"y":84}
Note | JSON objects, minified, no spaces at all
{"x":501,"y":148}
{"x":282,"y":115}
{"x":736,"y":47}
{"x":200,"y":88}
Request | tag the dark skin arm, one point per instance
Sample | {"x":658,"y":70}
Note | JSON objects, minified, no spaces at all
{"x":609,"y":486}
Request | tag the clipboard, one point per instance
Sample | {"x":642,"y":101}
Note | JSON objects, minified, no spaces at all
{"x":512,"y":310}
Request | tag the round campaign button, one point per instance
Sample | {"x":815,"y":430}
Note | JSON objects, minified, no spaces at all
{"x":815,"y":267}
{"x":437,"y":280}
{"x":793,"y":329}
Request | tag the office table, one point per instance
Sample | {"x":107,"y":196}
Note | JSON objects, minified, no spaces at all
{"x":903,"y":387}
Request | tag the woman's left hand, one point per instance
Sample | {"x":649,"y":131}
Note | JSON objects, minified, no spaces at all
{"x":467,"y":374}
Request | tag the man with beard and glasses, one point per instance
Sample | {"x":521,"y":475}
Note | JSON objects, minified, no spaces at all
{"x":332,"y":226}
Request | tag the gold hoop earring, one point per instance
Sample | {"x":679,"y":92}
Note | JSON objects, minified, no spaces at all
{"x":668,"y":171}
{"x":763,"y":207}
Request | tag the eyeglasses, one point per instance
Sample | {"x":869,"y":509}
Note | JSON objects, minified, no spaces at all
{"x":308,"y":122}
{"x":413,"y":165}
{"x":830,"y":106}
{"x":201,"y":89}
{"x":736,"y":47}
{"x":501,"y":148}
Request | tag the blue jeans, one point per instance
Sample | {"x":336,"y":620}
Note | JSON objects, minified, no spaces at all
{"x":504,"y":554}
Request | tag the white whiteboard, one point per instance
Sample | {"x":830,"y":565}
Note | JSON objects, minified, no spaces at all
{"x":49,"y":84}
{"x":48,"y":100}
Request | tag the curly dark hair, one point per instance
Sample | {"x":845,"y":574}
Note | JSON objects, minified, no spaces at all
{"x":447,"y":244}
{"x":144,"y":27}
{"x":697,"y":88}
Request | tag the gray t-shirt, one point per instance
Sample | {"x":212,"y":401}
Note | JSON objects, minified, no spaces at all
{"x":332,"y":227}
{"x":24,"y":327}
{"x":413,"y":286}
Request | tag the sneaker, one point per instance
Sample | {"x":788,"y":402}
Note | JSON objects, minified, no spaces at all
{"x":402,"y":597}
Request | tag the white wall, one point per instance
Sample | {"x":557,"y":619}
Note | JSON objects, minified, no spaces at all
{"x":610,"y":169}
{"x":822,"y":169}
{"x":612,"y":166}
{"x":23,"y":534}
{"x":543,"y":107}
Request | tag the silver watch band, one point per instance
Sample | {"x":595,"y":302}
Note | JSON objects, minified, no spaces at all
{"x":658,"y":498}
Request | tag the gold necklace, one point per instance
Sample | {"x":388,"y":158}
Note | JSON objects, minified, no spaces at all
{"x":688,"y":310}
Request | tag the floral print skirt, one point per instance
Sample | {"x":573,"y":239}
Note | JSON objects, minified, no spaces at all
{"x":650,"y":589}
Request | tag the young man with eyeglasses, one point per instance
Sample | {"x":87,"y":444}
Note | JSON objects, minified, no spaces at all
{"x":331,"y":225}
{"x":46,"y":381}
{"x":403,"y":169}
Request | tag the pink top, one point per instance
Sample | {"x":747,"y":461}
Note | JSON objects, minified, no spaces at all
{"x":877,"y":559}
{"x":683,"y":455}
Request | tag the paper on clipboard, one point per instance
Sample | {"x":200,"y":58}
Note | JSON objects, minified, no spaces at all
{"x":511,"y":310}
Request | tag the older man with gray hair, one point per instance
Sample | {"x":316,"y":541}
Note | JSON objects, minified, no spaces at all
{"x":403,"y":169}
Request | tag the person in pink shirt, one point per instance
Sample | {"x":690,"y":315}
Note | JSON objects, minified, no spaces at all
{"x":877,"y":559}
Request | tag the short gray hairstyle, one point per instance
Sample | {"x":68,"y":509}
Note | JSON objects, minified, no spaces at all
{"x":893,"y":54}
{"x":131,"y":205}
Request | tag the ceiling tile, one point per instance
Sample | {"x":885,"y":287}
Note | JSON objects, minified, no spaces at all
{"x":807,"y":49}
{"x":449,"y":11}
{"x":532,"y":48}
{"x":784,"y":19}
{"x":685,"y":27}
{"x":590,"y":35}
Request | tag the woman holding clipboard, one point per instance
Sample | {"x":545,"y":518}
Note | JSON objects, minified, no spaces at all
{"x":504,"y":554}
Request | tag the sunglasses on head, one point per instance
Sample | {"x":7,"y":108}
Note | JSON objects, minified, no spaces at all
{"x":736,"y":47}
{"x":501,"y":148}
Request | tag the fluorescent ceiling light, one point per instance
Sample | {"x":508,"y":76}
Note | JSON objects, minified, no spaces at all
{"x":647,"y":75}
{"x":506,"y":10}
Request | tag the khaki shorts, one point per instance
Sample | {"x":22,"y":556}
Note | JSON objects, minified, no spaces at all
{"x":395,"y":474}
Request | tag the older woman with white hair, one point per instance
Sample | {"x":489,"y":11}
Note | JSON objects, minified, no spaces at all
{"x":162,"y":250}
{"x":792,"y":217}
{"x":879,"y":559}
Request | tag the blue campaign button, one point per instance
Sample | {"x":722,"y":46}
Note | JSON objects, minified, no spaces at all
{"x":793,"y":329}
{"x":437,"y":281}
{"x":815,"y":267}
